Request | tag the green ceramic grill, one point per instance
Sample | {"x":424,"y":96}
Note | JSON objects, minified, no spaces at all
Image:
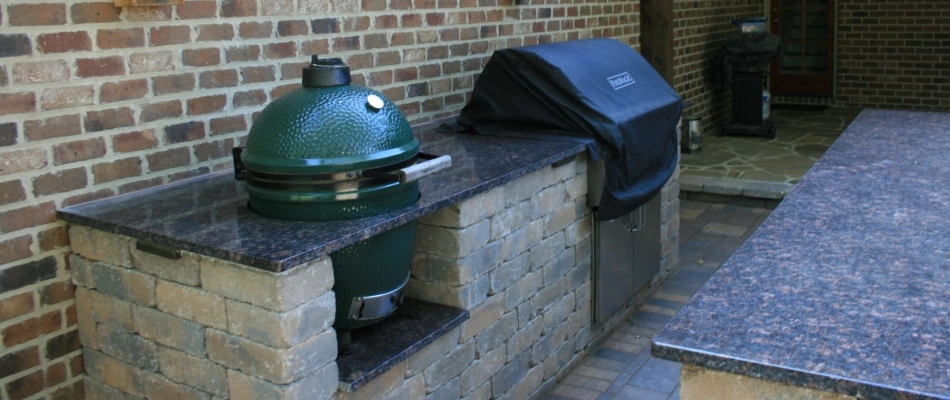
{"x":331,"y":150}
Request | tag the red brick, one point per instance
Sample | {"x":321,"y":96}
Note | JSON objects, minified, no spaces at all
{"x":27,"y":217}
{"x":197,"y":9}
{"x":169,"y":84}
{"x":103,"y":120}
{"x":250,"y":98}
{"x":37,"y":14}
{"x":360,"y":62}
{"x":93,"y":13}
{"x":235,"y":123}
{"x":280,"y":50}
{"x":242,"y":53}
{"x":120,"y":38}
{"x":325,"y":25}
{"x":8,"y":134}
{"x":134,"y":141}
{"x":15,"y":45}
{"x":280,"y":90}
{"x":15,"y":249}
{"x":23,"y":160}
{"x":56,"y":293}
{"x":67,"y":97}
{"x":373,"y":5}
{"x":25,"y":386}
{"x":59,"y":182}
{"x":167,"y":159}
{"x":139,"y":185}
{"x":52,"y":127}
{"x":213,"y":150}
{"x":388,"y":21}
{"x":119,"y":169}
{"x":104,"y":66}
{"x":19,"y":361}
{"x":319,"y":46}
{"x":32,"y":328}
{"x":277,"y":7}
{"x":258,"y":74}
{"x":292,"y":28}
{"x":403,"y":39}
{"x":4,"y":81}
{"x":87,"y":197}
{"x":52,"y":239}
{"x":251,"y":30}
{"x":17,"y":103}
{"x":11,"y":192}
{"x":191,"y":173}
{"x":200,"y":57}
{"x":356,"y":24}
{"x":238,"y":8}
{"x":153,"y":61}
{"x":163,"y":110}
{"x":218,"y":79}
{"x":75,"y":366}
{"x":79,"y":150}
{"x":55,"y":374}
{"x":169,"y":35}
{"x":122,"y":91}
{"x":346,"y":43}
{"x":215,"y":33}
{"x":158,"y":13}
{"x":206,"y":104}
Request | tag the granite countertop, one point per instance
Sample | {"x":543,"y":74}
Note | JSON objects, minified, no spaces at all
{"x":846,"y":286}
{"x":208,"y":214}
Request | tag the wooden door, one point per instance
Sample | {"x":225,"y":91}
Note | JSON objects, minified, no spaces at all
{"x":806,"y":29}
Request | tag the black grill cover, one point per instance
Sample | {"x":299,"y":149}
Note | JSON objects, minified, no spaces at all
{"x":599,"y":91}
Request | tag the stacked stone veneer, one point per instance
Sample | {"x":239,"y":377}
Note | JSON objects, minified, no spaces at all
{"x":518,"y":257}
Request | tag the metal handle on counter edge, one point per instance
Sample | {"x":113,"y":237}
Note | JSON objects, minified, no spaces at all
{"x":161,"y":251}
{"x":428,"y":167}
{"x":641,"y":221}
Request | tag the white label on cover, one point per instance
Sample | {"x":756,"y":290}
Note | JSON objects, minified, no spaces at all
{"x":621,"y":80}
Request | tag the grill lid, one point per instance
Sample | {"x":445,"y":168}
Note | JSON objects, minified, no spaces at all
{"x":327,"y":126}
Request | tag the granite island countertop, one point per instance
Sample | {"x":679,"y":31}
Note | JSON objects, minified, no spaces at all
{"x":208,"y":214}
{"x":846,"y":286}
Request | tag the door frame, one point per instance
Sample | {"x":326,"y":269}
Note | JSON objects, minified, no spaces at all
{"x":804,"y":85}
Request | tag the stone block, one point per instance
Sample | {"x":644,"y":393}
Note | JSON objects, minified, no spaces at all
{"x":526,"y":314}
{"x":481,"y":370}
{"x":111,"y":372}
{"x":521,"y":240}
{"x":450,"y":366}
{"x":508,"y":273}
{"x":80,"y":270}
{"x":523,"y":339}
{"x":548,"y":200}
{"x":196,"y":372}
{"x":524,"y":188}
{"x":495,"y":335}
{"x":85,"y":320}
{"x":579,"y":275}
{"x":483,"y":392}
{"x":157,"y":387}
{"x":557,"y":313}
{"x":435,"y":268}
{"x":480,"y":317}
{"x":273,"y":291}
{"x":432,"y":352}
{"x":319,"y":385}
{"x":510,"y":374}
{"x":577,"y":187}
{"x":464,"y":297}
{"x":412,"y":388}
{"x":522,"y":290}
{"x":579,"y":230}
{"x":451,"y":390}
{"x":558,"y":267}
{"x":112,"y":311}
{"x":97,"y":245}
{"x":470,"y":211}
{"x":527,"y":385}
{"x":184,"y":270}
{"x":192,"y":304}
{"x":547,"y":250}
{"x":547,"y":345}
{"x":450,"y":242}
{"x":559,"y":219}
{"x":124,"y":284}
{"x":280,"y":366}
{"x":562,"y":172}
{"x":706,"y":384}
{"x":95,"y":390}
{"x":479,"y":263}
{"x":732,"y":187}
{"x":170,"y":330}
{"x":582,"y":296}
{"x":281,"y":330}
{"x":128,"y":347}
{"x":766,"y":190}
{"x":510,"y":220}
{"x":548,"y":295}
{"x":692,"y":183}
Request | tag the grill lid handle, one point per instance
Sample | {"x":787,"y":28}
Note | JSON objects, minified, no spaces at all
{"x":325,"y":72}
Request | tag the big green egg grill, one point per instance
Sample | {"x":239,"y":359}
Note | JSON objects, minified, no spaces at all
{"x":332,"y":150}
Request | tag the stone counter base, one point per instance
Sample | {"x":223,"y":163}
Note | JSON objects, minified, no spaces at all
{"x":698,"y":383}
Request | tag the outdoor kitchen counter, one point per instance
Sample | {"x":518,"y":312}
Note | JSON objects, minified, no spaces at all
{"x":208,"y":215}
{"x":846,"y":286}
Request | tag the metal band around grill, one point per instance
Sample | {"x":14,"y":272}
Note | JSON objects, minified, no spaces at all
{"x":376,"y":306}
{"x":338,"y":181}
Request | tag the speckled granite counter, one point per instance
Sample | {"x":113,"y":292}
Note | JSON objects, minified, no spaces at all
{"x":208,"y":215}
{"x":846,"y":287}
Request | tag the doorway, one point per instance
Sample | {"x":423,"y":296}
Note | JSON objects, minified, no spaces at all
{"x":806,"y":30}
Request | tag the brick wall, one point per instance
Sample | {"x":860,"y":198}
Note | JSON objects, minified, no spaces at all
{"x":699,"y":29}
{"x":97,"y":101}
{"x":893,"y":54}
